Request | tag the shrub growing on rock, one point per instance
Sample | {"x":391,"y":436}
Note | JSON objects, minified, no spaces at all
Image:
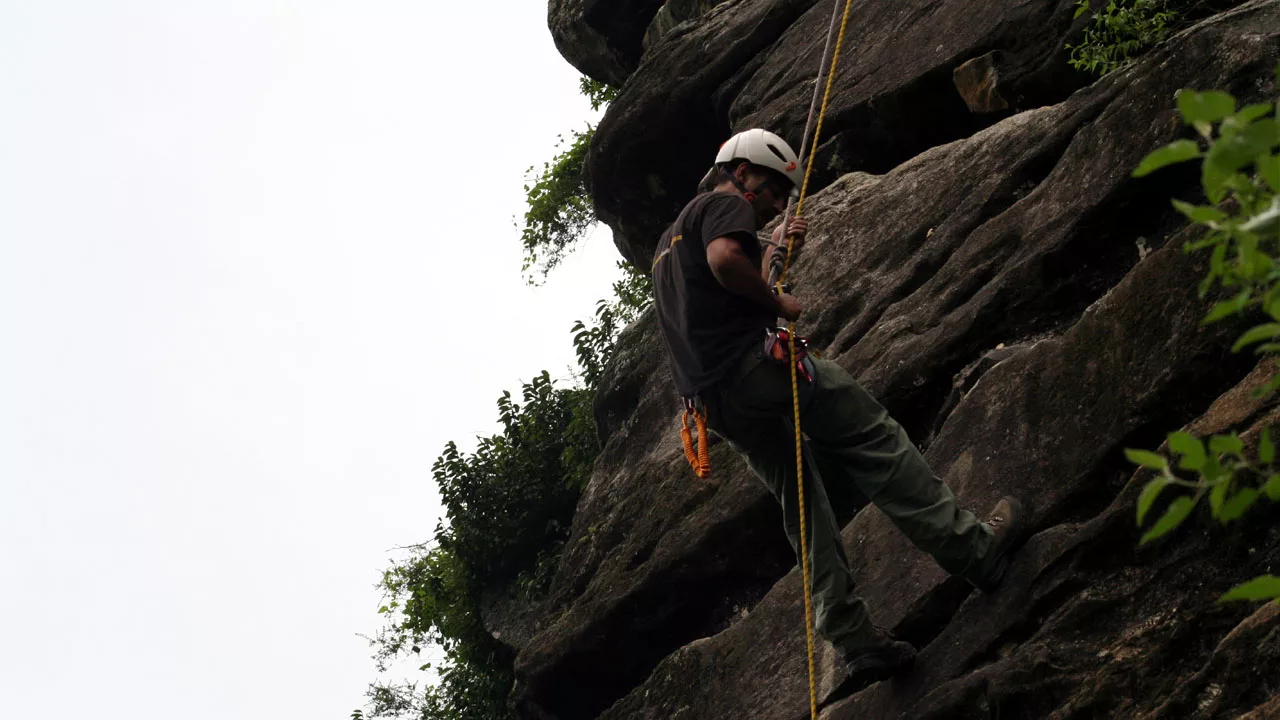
{"x":1240,"y":176}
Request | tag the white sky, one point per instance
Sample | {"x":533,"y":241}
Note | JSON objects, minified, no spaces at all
{"x":241,"y":245}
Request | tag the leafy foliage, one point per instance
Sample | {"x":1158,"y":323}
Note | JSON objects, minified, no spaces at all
{"x":597,"y":92}
{"x":1119,"y":32}
{"x":515,"y":493}
{"x":508,"y":504}
{"x":559,"y":206}
{"x":1231,"y":481}
{"x":594,"y":339}
{"x":1240,"y":176}
{"x":558,"y":202}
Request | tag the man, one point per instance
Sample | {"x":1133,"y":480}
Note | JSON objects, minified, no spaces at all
{"x":715,"y":309}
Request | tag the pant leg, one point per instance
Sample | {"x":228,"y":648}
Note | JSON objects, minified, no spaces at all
{"x":843,"y":494}
{"x":854,"y":433}
{"x":767,"y":441}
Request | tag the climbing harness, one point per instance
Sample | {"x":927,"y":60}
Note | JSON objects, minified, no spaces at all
{"x":777,"y":343}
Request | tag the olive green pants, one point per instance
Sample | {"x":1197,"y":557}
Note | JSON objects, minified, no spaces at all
{"x":854,"y":453}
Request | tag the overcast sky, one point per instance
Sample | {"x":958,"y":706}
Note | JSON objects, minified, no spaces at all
{"x":241,"y":243}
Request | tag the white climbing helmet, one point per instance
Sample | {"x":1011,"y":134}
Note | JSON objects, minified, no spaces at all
{"x":763,"y":148}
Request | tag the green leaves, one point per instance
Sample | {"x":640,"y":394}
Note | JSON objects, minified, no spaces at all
{"x":1234,"y":152}
{"x":1218,"y":463}
{"x":1202,"y":109}
{"x":593,"y":340}
{"x":1119,"y":31}
{"x":1256,"y":335}
{"x":597,"y":92}
{"x":1248,"y":115}
{"x":1191,"y":449}
{"x":1242,"y":147}
{"x":508,"y":506}
{"x":1148,"y":497}
{"x":1230,"y":444}
{"x":558,"y":207}
{"x":1146,"y":459}
{"x":1239,"y":164}
{"x":1240,"y":177}
{"x":1272,"y":488}
{"x":1226,"y":308}
{"x":1203,"y":214}
{"x":1269,"y":169}
{"x":1178,"y":511}
{"x":1217,"y":496}
{"x":1236,"y":507}
{"x":1265,"y":587}
{"x":1174,"y":152}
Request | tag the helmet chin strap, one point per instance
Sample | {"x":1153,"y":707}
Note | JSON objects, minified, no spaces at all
{"x":750,"y":195}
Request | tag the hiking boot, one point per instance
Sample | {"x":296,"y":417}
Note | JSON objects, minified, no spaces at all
{"x":881,"y":658}
{"x":1006,"y":519}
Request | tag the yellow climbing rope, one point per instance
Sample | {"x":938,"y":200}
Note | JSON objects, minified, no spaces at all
{"x":791,"y":342}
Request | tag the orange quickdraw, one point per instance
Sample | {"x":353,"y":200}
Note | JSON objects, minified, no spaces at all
{"x":699,"y":460}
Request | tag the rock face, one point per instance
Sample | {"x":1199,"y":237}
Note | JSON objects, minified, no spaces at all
{"x":660,"y":135}
{"x":1017,"y":300}
{"x":672,"y":13}
{"x":602,"y":38}
{"x":751,"y":63}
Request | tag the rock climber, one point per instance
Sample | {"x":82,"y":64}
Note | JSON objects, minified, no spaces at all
{"x":717,"y":315}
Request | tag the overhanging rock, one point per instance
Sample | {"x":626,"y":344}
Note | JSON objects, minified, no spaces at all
{"x":602,"y":38}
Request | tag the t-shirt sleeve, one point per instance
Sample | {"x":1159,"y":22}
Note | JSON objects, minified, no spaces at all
{"x":728,"y":216}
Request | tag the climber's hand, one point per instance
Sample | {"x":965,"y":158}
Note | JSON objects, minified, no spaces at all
{"x":789,"y":307}
{"x":797,"y":228}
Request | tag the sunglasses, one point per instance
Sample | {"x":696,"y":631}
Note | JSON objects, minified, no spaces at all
{"x":779,"y":188}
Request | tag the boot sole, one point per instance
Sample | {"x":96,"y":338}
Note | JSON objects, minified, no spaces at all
{"x":862,"y":675}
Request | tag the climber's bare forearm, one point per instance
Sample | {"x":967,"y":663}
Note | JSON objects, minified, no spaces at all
{"x":734,"y":270}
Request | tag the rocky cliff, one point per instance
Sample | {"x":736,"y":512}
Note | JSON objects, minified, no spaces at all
{"x":982,"y":261}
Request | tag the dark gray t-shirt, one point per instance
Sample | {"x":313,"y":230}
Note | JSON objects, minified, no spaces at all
{"x":705,"y":327}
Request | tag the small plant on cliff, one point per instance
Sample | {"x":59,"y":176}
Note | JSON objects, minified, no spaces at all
{"x":1119,"y":32}
{"x":597,"y":92}
{"x":594,"y":339}
{"x":1240,"y":175}
{"x":559,"y":207}
{"x":558,"y":212}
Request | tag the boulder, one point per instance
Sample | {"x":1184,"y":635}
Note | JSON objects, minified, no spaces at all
{"x":601,"y":38}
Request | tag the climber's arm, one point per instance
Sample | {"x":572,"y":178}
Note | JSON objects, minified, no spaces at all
{"x":735,"y":272}
{"x":796,"y":228}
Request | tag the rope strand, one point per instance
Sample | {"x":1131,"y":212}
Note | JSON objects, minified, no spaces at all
{"x":791,"y":342}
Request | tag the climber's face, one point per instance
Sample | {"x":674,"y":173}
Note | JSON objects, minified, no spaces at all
{"x":771,"y":191}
